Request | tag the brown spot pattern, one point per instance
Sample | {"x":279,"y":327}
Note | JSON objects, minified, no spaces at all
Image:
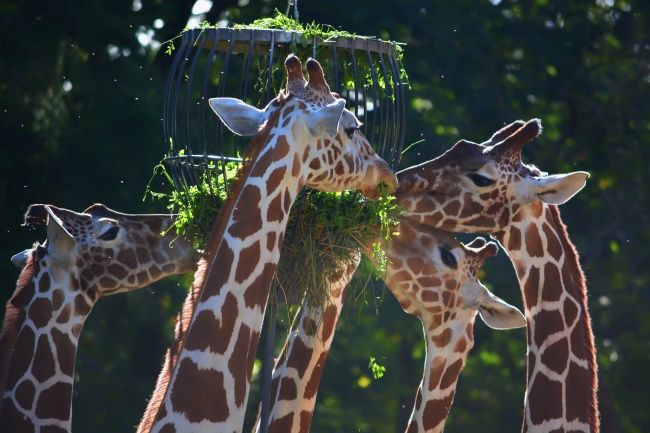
{"x":305,"y":421}
{"x":247,"y":216}
{"x":257,"y":294}
{"x":547,"y":323}
{"x":127,"y":258}
{"x":66,"y":351}
{"x":22,"y":356}
{"x":25,"y":393}
{"x":57,"y":299}
{"x":531,"y":288}
{"x":437,"y":368}
{"x":553,"y":245}
{"x":435,"y":412}
{"x":299,"y":357}
{"x":329,"y":322}
{"x":288,"y":389}
{"x":55,"y":402}
{"x":237,"y":362}
{"x":64,"y":315}
{"x":81,"y":306}
{"x":577,"y":400}
{"x":281,"y":425}
{"x":570,"y":311}
{"x":451,"y":374}
{"x":556,"y":355}
{"x":215,"y":333}
{"x":275,"y":212}
{"x":45,"y":368}
{"x":534,"y":244}
{"x":460,"y":346}
{"x":275,"y":179}
{"x":168,"y":428}
{"x":198,"y":393}
{"x":248,"y":261}
{"x":40,"y":312}
{"x":224,"y":258}
{"x":547,"y":404}
{"x":514,"y":240}
{"x":553,"y":288}
{"x":44,"y":283}
{"x":311,"y":388}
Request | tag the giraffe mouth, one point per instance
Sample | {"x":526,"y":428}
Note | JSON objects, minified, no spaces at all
{"x":373,"y":193}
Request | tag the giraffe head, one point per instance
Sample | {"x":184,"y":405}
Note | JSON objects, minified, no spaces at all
{"x":111,"y":252}
{"x":435,"y":277}
{"x":481,"y":187}
{"x":314,"y":121}
{"x":86,"y":256}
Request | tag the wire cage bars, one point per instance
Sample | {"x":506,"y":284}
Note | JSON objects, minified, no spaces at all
{"x":248,"y":64}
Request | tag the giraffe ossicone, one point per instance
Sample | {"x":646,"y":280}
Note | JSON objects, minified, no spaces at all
{"x":486,"y":188}
{"x":304,"y":137}
{"x":87,"y":256}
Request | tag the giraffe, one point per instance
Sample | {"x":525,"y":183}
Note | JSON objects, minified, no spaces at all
{"x":297,"y":372}
{"x":304,"y":137}
{"x":434,"y":277}
{"x":87,"y":256}
{"x":486,"y":188}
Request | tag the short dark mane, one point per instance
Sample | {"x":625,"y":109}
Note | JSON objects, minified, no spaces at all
{"x":216,"y":234}
{"x":14,"y":317}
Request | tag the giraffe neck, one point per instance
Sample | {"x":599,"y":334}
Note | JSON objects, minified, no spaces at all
{"x":297,"y":373}
{"x":210,"y":381}
{"x":39,"y":345}
{"x":561,"y":370}
{"x":445,"y":358}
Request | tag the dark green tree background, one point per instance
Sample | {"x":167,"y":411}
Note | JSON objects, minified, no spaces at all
{"x":80,"y":122}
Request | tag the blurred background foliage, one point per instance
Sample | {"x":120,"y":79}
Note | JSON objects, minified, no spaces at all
{"x":81,"y":87}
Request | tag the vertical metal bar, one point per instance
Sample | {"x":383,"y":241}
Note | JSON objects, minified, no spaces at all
{"x":202,"y":102}
{"x":375,"y":101}
{"x":169,"y":109}
{"x":337,"y":85}
{"x":268,"y":365}
{"x":270,"y":77}
{"x":248,"y":65}
{"x":180,"y":143}
{"x":389,"y":105}
{"x":189,"y":107}
{"x":356,"y":82}
{"x":400,"y":99}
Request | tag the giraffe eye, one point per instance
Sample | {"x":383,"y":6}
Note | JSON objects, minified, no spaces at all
{"x":350,"y":131}
{"x":110,"y":234}
{"x":448,"y":258}
{"x":480,"y":180}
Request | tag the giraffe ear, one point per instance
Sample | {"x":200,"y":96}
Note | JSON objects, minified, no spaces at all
{"x":60,"y":242}
{"x":21,"y":258}
{"x":559,"y":188}
{"x":498,"y":314}
{"x":326,"y":119}
{"x":239,"y":117}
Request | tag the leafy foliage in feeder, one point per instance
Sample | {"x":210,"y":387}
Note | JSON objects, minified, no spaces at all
{"x":327,"y":229}
{"x":246,"y":62}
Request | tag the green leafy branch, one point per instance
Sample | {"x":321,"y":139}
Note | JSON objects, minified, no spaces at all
{"x":376,"y":369}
